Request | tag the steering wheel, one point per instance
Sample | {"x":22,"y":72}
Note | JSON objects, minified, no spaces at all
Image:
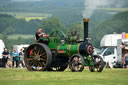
{"x":58,"y":34}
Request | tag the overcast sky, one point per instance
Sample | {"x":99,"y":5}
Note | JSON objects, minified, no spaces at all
{"x":27,"y":0}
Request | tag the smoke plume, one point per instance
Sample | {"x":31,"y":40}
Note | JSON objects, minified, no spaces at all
{"x":91,"y":5}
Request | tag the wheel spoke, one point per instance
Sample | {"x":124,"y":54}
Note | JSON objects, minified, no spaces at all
{"x":43,"y":54}
{"x":34,"y":51}
{"x":29,"y":59}
{"x":38,"y":67}
{"x":32,"y":56}
{"x":33,"y":63}
{"x":39,"y":50}
{"x":29,"y":62}
{"x":42,"y":63}
{"x":42,"y":59}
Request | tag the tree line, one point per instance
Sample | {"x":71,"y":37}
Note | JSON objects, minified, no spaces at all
{"x":10,"y":25}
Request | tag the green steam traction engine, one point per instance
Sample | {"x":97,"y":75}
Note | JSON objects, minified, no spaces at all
{"x":57,"y":52}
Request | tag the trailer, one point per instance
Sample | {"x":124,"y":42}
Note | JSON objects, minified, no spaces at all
{"x":19,"y":47}
{"x":2,"y":46}
{"x":111,"y":51}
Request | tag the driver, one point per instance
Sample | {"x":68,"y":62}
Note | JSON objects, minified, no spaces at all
{"x":39,"y":34}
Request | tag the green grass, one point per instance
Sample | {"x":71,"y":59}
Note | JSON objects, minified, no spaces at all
{"x":16,"y":36}
{"x":25,"y":77}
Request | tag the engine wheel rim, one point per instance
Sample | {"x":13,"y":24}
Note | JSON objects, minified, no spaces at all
{"x":76,"y":63}
{"x":36,"y":58}
{"x":97,"y":63}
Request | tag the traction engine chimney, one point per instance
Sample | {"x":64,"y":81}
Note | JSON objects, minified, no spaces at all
{"x":85,"y":21}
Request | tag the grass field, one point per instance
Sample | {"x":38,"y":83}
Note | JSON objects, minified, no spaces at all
{"x":30,"y":18}
{"x":25,"y":77}
{"x":27,"y":16}
{"x":16,"y":36}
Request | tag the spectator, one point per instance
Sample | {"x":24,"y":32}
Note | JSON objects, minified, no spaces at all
{"x":16,"y":58}
{"x":21,"y":61}
{"x":126,"y":60}
{"x":5,"y":58}
{"x":124,"y":52}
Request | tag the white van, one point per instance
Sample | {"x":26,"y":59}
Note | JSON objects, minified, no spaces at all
{"x":109,"y":55}
{"x":111,"y":51}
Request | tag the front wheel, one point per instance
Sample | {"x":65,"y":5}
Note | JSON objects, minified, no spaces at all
{"x":76,"y":63}
{"x":98,"y":64}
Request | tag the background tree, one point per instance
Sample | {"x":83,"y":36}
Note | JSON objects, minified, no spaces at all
{"x":52,"y":24}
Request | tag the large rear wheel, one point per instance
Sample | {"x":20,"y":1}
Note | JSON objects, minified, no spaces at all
{"x":38,"y":57}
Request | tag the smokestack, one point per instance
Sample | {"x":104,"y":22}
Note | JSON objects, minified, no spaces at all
{"x":85,"y":21}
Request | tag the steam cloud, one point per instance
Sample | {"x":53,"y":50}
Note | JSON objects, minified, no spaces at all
{"x":91,"y":5}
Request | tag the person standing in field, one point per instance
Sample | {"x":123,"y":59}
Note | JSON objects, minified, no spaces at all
{"x":124,"y":55}
{"x":21,"y":55}
{"x":126,"y":60}
{"x":16,"y":58}
{"x":5,"y":58}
